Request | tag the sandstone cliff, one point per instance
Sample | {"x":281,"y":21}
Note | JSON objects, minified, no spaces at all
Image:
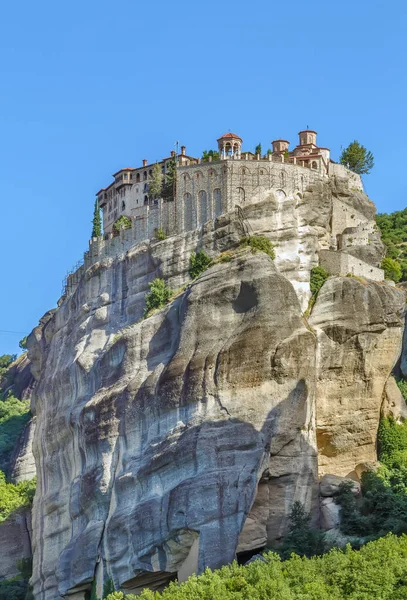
{"x":167,"y":444}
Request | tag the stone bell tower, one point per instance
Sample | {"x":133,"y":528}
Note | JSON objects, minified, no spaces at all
{"x":230,"y":146}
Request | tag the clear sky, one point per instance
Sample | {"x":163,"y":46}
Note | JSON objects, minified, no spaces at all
{"x":93,"y":86}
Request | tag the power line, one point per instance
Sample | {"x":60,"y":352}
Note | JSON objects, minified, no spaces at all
{"x":6,"y":331}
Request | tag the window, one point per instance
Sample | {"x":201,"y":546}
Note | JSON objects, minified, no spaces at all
{"x":314,"y":165}
{"x":125,"y":176}
{"x":131,"y":175}
{"x":203,"y":206}
{"x":145,"y":175}
{"x":187,"y":212}
{"x":145,"y":199}
{"x":138,"y":177}
{"x":123,"y":206}
{"x":150,"y":172}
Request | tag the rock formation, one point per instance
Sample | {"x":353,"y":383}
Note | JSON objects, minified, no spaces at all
{"x":168,"y":444}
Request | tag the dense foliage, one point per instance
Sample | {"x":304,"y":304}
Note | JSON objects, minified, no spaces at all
{"x":356,"y":158}
{"x":17,"y":588}
{"x":13,"y":496}
{"x":392,"y":269}
{"x":378,"y":571}
{"x":198,"y":263}
{"x":5,"y":362}
{"x":383,"y":507}
{"x":122,"y":222}
{"x":169,"y":187}
{"x":302,"y":539}
{"x":14,"y":415}
{"x":160,"y":234}
{"x":317,"y":280}
{"x":158,"y":296}
{"x":259,"y":243}
{"x":393,"y":229}
{"x":96,"y":222}
{"x":156,"y":182}
{"x":257,"y":149}
{"x":210,"y":153}
{"x":402,"y":385}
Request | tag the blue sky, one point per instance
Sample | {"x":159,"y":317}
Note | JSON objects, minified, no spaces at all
{"x":90,"y":87}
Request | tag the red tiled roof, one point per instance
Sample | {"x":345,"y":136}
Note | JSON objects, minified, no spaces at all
{"x":279,"y":140}
{"x":125,"y":169}
{"x":307,"y":131}
{"x":229,"y":136}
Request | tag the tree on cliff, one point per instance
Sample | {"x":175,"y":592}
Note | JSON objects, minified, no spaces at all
{"x":357,"y":158}
{"x":156,"y":183}
{"x":97,"y":222}
{"x":169,"y":187}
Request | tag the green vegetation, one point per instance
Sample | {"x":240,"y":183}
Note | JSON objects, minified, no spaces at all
{"x":5,"y":362}
{"x":392,"y":269}
{"x":356,"y":158}
{"x":14,"y":415}
{"x":393,"y":229}
{"x":158,"y":296}
{"x":302,"y":539}
{"x":198,"y":263}
{"x":18,"y":588}
{"x":207,"y":153}
{"x":259,"y":243}
{"x":160,"y":234}
{"x":169,"y":187}
{"x":96,"y":222}
{"x":23,"y":344}
{"x":402,"y":385}
{"x":13,"y":496}
{"x":317,"y":280}
{"x":257,"y":149}
{"x":383,"y":507}
{"x":156,"y":182}
{"x":377,"y":571}
{"x":122,"y":222}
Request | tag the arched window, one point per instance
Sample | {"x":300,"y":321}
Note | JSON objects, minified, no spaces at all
{"x":150,"y":172}
{"x":187,"y":212}
{"x":123,"y":205}
{"x":138,"y":177}
{"x":314,"y":165}
{"x":203,"y":206}
{"x":145,"y":175}
{"x":240,"y":195}
{"x":145,"y":199}
{"x":217,"y":201}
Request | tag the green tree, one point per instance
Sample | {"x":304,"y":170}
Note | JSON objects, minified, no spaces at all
{"x":302,"y":539}
{"x":158,"y":296}
{"x":5,"y":362}
{"x":357,"y":158}
{"x":257,"y":149}
{"x":23,"y":344}
{"x":259,"y":243}
{"x":392,"y":269}
{"x":97,"y":221}
{"x":14,"y":415}
{"x":122,"y":221}
{"x":207,"y":153}
{"x":169,"y":188}
{"x":317,"y":280}
{"x":156,"y":182}
{"x":198,"y":263}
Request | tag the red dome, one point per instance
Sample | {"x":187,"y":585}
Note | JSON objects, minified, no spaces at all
{"x":229,"y":136}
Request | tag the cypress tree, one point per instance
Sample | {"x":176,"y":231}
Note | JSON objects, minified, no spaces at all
{"x":97,"y":221}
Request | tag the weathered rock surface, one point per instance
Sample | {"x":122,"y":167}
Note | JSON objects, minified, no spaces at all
{"x":22,"y":464}
{"x":165,"y":445}
{"x":15,"y":542}
{"x":359,"y":327}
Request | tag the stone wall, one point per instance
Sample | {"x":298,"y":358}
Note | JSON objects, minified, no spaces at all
{"x":342,"y":263}
{"x":355,"y":180}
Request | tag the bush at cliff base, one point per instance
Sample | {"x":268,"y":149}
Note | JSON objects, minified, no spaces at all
{"x":376,"y":572}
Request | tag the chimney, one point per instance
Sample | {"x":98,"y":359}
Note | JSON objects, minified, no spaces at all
{"x":172,"y":152}
{"x":183,"y":150}
{"x":144,"y":162}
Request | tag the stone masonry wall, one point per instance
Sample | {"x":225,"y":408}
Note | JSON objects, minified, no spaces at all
{"x":341,"y":263}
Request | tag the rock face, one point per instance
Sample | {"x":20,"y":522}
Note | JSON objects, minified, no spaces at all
{"x":167,"y":444}
{"x":15,"y":541}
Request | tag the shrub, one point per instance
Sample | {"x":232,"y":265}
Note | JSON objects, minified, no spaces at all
{"x":160,"y":234}
{"x":259,"y":243}
{"x":302,"y":539}
{"x":13,"y":496}
{"x":392,"y":269}
{"x":377,"y":571}
{"x":158,"y":296}
{"x":402,"y":385}
{"x":14,"y":415}
{"x":121,"y":222}
{"x":198,"y":263}
{"x":317,"y":280}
